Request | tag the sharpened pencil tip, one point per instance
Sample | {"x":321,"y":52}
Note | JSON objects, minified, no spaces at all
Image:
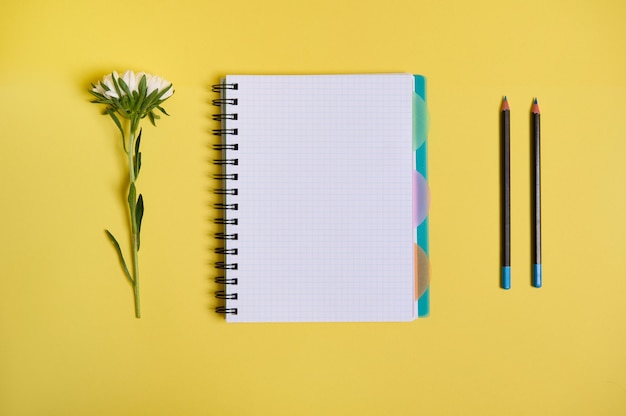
{"x":535,"y":106}
{"x":505,"y":104}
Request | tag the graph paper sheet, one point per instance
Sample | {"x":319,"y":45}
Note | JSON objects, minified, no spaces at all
{"x":324,"y":196}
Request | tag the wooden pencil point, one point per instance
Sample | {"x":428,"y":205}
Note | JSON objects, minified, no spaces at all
{"x":535,"y":107}
{"x":505,"y":104}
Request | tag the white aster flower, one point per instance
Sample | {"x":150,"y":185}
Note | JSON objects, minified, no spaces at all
{"x":133,"y":94}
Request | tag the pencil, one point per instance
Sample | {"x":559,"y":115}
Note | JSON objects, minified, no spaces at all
{"x":536,"y":224}
{"x":505,"y":126}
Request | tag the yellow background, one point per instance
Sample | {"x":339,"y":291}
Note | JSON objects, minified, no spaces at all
{"x":69,"y":343}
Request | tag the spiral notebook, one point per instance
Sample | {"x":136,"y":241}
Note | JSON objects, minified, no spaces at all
{"x":324,"y":198}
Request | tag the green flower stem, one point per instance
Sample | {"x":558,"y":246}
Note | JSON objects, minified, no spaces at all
{"x":134,"y":124}
{"x":128,"y":99}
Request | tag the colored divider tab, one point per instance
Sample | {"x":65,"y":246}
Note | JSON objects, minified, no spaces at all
{"x":421,"y":193}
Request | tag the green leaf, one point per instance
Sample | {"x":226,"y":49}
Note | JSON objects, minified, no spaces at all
{"x":143,"y":88}
{"x":124,"y":86}
{"x":125,"y":103}
{"x":162,"y":110}
{"x":111,"y":113}
{"x":152,"y":118}
{"x":163,"y":91}
{"x":116,"y":85}
{"x":139,"y":217}
{"x":121,"y":257}
{"x":149,"y":102}
{"x":115,"y":103}
{"x":137,"y":157}
{"x":132,"y":194}
{"x":138,"y":141}
{"x":137,"y":164}
{"x":136,"y":102}
{"x":97,"y":95}
{"x":154,"y":99}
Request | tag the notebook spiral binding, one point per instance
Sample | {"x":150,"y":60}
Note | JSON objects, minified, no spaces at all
{"x":228,"y":161}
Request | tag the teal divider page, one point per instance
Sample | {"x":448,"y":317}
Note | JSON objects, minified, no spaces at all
{"x":421,"y":125}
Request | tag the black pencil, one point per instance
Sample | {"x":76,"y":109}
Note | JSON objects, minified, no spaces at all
{"x":505,"y":126}
{"x":536,"y":128}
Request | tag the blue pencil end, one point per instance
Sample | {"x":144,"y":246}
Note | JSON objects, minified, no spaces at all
{"x":537,"y":278}
{"x":506,"y":277}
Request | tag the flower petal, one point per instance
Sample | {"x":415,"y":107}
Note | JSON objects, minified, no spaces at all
{"x":168,"y":93}
{"x":152,"y":83}
{"x":130,"y":80}
{"x":99,"y":88}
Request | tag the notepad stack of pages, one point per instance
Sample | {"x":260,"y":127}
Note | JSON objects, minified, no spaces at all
{"x":325,"y":198}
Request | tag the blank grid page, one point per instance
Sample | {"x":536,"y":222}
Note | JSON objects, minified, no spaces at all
{"x":324,"y":198}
